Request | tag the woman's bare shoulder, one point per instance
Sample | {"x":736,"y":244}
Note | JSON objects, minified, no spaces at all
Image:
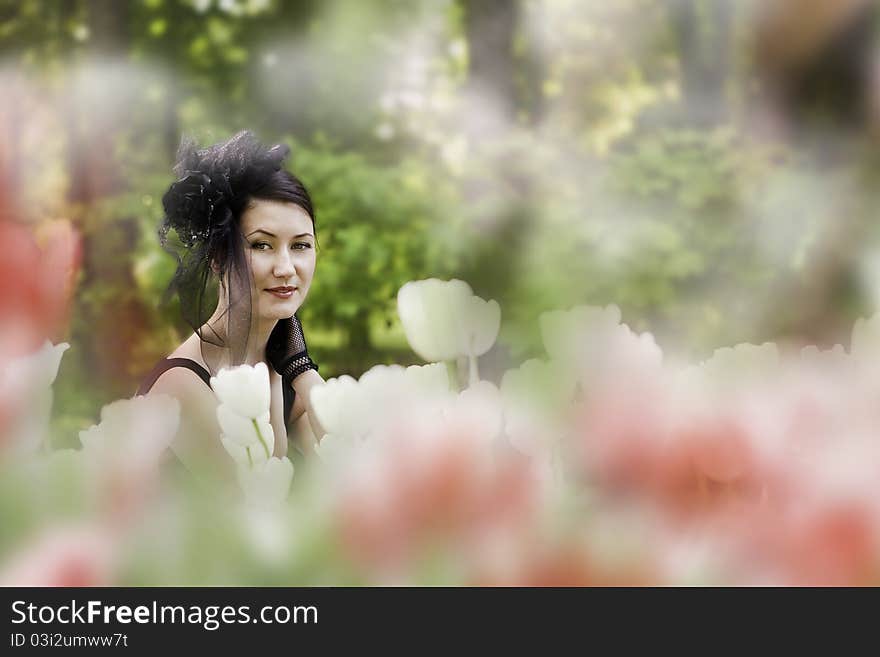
{"x":179,"y":380}
{"x":189,"y":348}
{"x":183,"y":382}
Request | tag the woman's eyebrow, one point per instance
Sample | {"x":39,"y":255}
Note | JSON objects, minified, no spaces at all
{"x":260,"y":230}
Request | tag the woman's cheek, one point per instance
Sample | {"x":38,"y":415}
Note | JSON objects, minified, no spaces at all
{"x":308,"y":284}
{"x":261,"y":266}
{"x":308,"y":268}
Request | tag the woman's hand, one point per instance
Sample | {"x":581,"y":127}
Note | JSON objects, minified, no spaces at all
{"x":286,"y":350}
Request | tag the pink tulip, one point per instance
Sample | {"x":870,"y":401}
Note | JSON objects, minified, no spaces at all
{"x":63,"y":556}
{"x":437,"y":488}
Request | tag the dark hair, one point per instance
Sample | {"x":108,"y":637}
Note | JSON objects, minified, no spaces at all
{"x":203,"y":208}
{"x":283,"y":186}
{"x":217,"y":184}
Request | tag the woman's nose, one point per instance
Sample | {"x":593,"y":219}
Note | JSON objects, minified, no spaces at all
{"x":284,"y":265}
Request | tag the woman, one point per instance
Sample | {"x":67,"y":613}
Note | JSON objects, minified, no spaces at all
{"x":243,"y":231}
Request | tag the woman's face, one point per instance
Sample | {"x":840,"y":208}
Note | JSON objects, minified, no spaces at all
{"x":280,"y":245}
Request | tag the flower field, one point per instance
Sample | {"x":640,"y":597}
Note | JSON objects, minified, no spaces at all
{"x":602,"y":463}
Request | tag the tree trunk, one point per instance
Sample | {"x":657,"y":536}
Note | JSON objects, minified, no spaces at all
{"x":360,"y":349}
{"x":110,"y":320}
{"x":490,"y":27}
{"x":10,"y":148}
{"x":703,"y":28}
{"x":503,"y":88}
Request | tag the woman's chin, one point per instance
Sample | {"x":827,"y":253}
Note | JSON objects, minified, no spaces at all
{"x":273,"y":308}
{"x":280,"y":311}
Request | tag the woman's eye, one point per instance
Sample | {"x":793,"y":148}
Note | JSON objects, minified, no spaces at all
{"x":260,"y":246}
{"x":302,"y":245}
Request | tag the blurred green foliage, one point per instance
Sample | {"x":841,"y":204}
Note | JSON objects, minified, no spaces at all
{"x":561,"y":157}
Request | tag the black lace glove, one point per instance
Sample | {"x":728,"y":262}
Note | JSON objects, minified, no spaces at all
{"x":286,"y":350}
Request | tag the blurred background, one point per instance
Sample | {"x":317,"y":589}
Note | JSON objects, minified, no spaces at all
{"x":710,"y":166}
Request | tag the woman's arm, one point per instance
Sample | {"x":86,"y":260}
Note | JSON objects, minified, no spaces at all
{"x":302,"y":406}
{"x":288,"y":354}
{"x":303,"y":436}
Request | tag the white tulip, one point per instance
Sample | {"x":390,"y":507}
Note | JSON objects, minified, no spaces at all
{"x":268,"y":532}
{"x":730,"y":368}
{"x":26,"y":384}
{"x":477,"y":411}
{"x":527,"y":430}
{"x":381,"y":386}
{"x":351,"y":410}
{"x":591,"y":344}
{"x":267,"y":485}
{"x":246,"y":431}
{"x":483,"y":321}
{"x":428,"y":312}
{"x":829,"y":359}
{"x":338,"y":406}
{"x":37,"y":370}
{"x":866,"y":337}
{"x":245,"y":456}
{"x":539,"y":383}
{"x":137,"y":429}
{"x":244,"y":389}
{"x":431,"y":379}
{"x":444,"y":320}
{"x":388,"y":390}
{"x":568,"y":333}
{"x":334,"y":449}
{"x":389,"y":386}
{"x":865,"y":344}
{"x":534,"y":394}
{"x":429,"y":388}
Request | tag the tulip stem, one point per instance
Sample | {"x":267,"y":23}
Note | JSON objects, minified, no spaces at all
{"x":260,"y":436}
{"x":452,"y":372}
{"x":250,"y":458}
{"x":473,"y":373}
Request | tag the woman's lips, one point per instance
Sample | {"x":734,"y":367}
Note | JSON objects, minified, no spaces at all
{"x":282,"y":292}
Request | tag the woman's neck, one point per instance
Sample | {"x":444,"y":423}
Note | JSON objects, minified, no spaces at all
{"x":257,"y":336}
{"x":257,"y":339}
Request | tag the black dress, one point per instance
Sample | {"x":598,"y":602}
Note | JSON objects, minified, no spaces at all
{"x":164,"y":365}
